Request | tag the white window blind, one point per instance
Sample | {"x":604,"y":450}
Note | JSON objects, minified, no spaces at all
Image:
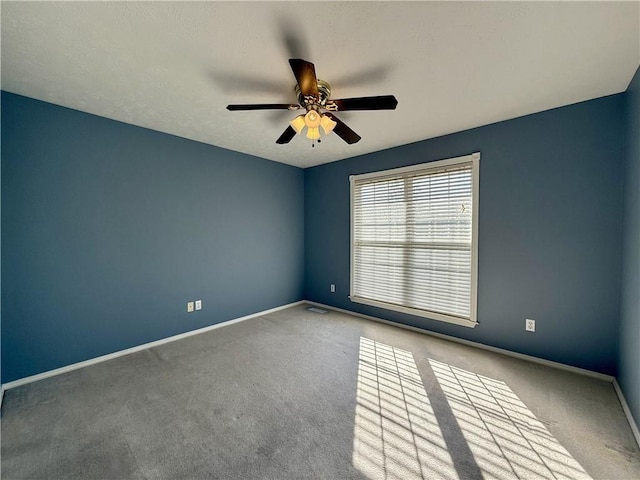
{"x":414,"y":239}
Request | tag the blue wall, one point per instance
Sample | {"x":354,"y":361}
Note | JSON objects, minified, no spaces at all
{"x":629,"y":375}
{"x":109,"y":229}
{"x":549,"y":235}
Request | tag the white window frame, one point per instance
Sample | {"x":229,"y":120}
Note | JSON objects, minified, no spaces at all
{"x":474,"y":160}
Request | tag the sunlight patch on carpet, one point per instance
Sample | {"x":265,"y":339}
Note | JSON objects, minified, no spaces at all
{"x":506,"y":438}
{"x":396,"y":434}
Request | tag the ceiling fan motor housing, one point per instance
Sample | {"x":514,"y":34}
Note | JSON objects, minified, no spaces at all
{"x":311,"y":102}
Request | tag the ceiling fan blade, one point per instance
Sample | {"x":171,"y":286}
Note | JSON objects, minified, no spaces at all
{"x":286,"y":136}
{"x":343,"y":131}
{"x":305,"y":74}
{"x":263,"y":106}
{"x":383,"y":102}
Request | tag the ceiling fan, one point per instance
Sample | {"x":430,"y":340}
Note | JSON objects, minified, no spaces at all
{"x":314,"y":97}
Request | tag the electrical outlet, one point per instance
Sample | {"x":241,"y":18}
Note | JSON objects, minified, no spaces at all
{"x":530,"y":325}
{"x":198,"y":304}
{"x":189,"y":307}
{"x":333,"y":288}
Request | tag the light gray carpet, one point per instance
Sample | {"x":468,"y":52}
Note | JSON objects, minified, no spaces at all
{"x":297,"y":394}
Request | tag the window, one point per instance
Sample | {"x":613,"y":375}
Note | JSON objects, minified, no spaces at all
{"x":414,"y":239}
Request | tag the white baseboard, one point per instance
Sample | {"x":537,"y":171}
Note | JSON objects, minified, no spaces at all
{"x":549,"y":363}
{"x":522,"y":356}
{"x":627,"y":411}
{"x":138,"y":348}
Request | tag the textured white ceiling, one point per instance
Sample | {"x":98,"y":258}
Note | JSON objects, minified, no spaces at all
{"x":174,"y":66}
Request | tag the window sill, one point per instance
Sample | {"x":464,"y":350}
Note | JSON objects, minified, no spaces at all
{"x":464,"y":322}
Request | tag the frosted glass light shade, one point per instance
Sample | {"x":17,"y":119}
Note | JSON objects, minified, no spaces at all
{"x":313,"y":133}
{"x":312,"y":119}
{"x":298,"y":123}
{"x":327,"y":124}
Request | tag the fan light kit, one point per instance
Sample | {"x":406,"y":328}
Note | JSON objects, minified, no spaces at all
{"x":312,"y":120}
{"x":314,"y":96}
